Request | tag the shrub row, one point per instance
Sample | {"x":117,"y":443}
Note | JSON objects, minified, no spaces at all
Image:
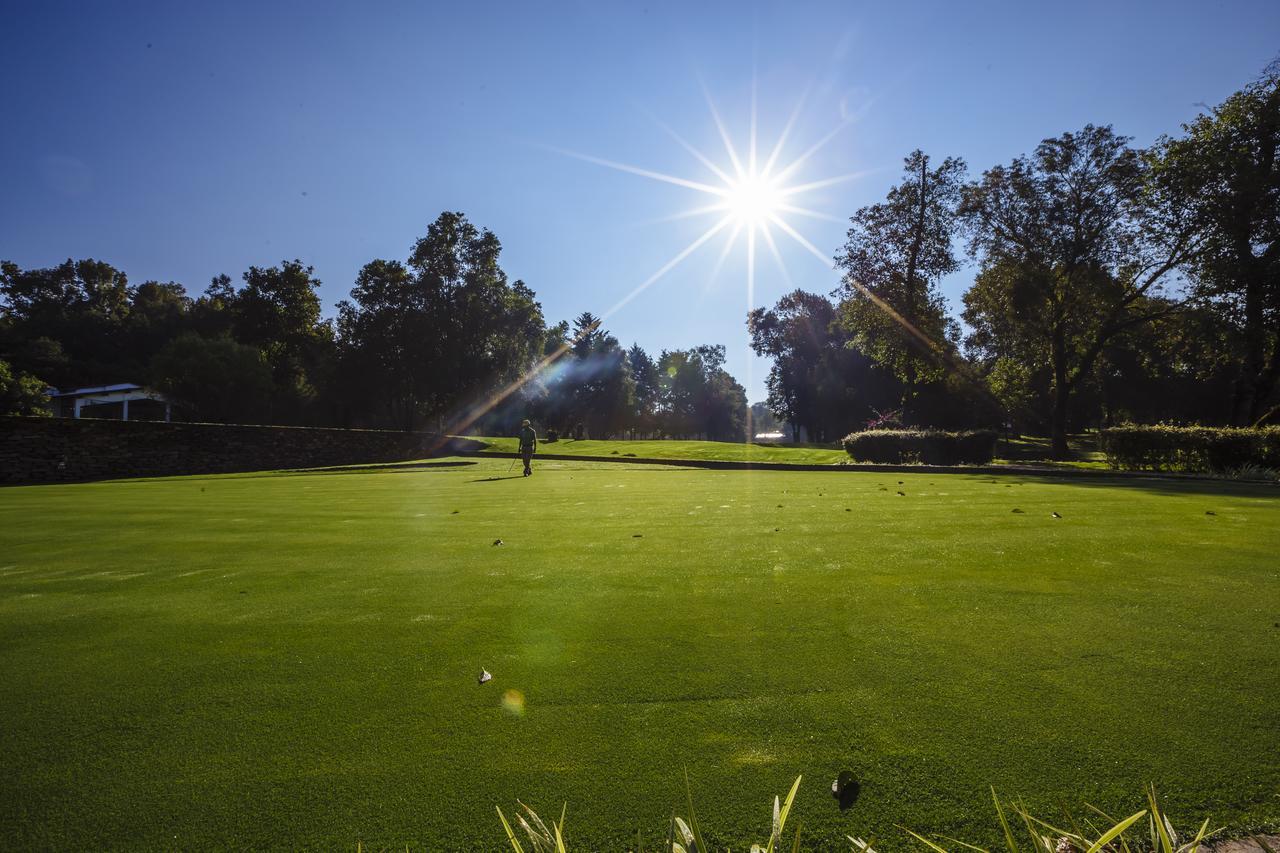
{"x":1194,"y":448}
{"x":929,"y":446}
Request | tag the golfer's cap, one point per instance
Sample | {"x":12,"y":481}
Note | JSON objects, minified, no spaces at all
{"x":525,"y":422}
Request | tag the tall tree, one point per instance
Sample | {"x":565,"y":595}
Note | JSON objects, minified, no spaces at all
{"x":451,"y":322}
{"x":1072,"y":251}
{"x":1226,"y":164}
{"x":819,"y":381}
{"x":894,"y":256}
{"x":648,"y":390}
{"x":699,"y":398}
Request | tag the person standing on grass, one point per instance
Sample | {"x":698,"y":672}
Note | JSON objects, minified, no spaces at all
{"x":528,"y":444}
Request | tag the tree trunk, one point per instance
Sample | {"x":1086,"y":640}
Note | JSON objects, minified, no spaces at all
{"x":1061,"y":397}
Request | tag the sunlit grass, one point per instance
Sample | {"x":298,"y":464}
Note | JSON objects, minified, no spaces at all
{"x":291,"y":660}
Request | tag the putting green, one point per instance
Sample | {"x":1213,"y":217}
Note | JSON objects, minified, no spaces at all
{"x":291,"y":660}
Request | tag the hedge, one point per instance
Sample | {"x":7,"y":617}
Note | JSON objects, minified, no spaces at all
{"x":1175,"y":448}
{"x":930,"y":446}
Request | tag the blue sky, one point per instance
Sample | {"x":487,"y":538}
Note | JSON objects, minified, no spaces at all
{"x":182,"y":140}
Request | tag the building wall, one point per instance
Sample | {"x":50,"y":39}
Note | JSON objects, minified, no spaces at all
{"x":51,"y":450}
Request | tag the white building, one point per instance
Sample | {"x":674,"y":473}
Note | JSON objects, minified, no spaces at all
{"x":103,"y":399}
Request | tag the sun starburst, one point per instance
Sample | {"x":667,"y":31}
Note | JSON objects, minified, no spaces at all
{"x":750,"y":197}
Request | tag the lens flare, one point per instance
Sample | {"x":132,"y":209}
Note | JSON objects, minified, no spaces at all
{"x":513,"y":703}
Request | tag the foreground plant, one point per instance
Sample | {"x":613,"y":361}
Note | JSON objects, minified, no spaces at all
{"x":682,"y":836}
{"x":1086,"y":836}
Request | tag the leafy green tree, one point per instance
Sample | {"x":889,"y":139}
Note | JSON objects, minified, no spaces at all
{"x":21,"y":393}
{"x":1073,"y":251}
{"x":278,"y":311}
{"x":448,"y":327}
{"x":214,"y":379}
{"x":819,"y":381}
{"x":699,"y":398}
{"x":83,"y":305}
{"x":896,"y":253}
{"x":158,"y":313}
{"x":1226,"y":165}
{"x":648,"y":390}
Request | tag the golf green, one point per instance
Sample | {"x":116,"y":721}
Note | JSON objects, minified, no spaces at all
{"x":291,"y":660}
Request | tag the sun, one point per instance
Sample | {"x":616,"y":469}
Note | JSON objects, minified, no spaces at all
{"x":754,"y":200}
{"x":750,"y":196}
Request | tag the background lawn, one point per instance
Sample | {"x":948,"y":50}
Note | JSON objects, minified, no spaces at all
{"x":291,"y":660}
{"x":730,"y":451}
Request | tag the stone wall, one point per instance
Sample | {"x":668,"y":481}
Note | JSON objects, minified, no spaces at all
{"x":51,"y":450}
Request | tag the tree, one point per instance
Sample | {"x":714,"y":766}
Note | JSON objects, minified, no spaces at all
{"x":83,"y":305}
{"x":1073,"y":250}
{"x":214,"y":379}
{"x":591,"y":384}
{"x":763,"y":419}
{"x":648,"y":390}
{"x":21,"y":393}
{"x":895,"y":254}
{"x":819,"y":381}
{"x":700,"y":398}
{"x":278,"y":311}
{"x":448,"y":327}
{"x":1227,"y":166}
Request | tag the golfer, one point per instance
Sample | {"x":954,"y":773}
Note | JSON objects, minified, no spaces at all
{"x":528,"y":443}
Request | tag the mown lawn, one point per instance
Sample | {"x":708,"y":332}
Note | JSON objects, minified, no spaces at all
{"x":290,"y":661}
{"x":722,"y":451}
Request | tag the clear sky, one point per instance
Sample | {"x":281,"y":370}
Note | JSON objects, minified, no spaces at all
{"x":180,"y":140}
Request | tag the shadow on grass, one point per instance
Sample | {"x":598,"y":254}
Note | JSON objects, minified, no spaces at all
{"x":1162,"y":484}
{"x":385,"y":466}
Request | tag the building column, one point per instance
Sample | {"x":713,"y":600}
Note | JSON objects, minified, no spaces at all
{"x":167,"y":409}
{"x":126,"y":408}
{"x":77,"y":411}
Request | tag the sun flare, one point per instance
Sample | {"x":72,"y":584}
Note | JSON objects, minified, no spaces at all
{"x":751,"y":196}
{"x":754,"y":200}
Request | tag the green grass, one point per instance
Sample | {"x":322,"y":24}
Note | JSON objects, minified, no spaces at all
{"x":723,"y":451}
{"x":290,"y":660}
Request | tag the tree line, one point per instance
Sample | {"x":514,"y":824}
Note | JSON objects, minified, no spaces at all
{"x":418,"y":343}
{"x":1113,"y":284}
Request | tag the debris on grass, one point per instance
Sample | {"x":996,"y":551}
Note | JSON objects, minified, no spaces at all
{"x":497,"y":542}
{"x":485,"y":675}
{"x":1055,"y":515}
{"x":1018,"y":511}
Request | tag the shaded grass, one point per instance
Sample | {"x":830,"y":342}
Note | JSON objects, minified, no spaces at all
{"x":291,"y":661}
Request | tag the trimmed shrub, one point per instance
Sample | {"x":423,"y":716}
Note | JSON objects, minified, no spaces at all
{"x":928,"y":446}
{"x":1177,"y":448}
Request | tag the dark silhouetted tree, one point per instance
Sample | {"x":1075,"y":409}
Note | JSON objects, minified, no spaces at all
{"x":895,"y":254}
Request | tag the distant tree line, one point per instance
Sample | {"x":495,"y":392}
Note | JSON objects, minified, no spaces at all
{"x":417,"y":343}
{"x":1113,"y":284}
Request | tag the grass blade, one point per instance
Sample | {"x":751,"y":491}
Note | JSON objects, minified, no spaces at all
{"x":781,"y":816}
{"x":1004,"y":824}
{"x":921,"y":838}
{"x":693,"y":819}
{"x":511,"y":836}
{"x":1116,"y":830}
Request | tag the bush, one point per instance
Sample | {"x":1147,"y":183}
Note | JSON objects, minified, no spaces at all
{"x":930,"y":446}
{"x":1175,"y":448}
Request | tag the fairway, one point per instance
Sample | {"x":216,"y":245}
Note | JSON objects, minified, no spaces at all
{"x":290,"y":660}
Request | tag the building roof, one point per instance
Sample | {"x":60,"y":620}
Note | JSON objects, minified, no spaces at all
{"x":100,"y":389}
